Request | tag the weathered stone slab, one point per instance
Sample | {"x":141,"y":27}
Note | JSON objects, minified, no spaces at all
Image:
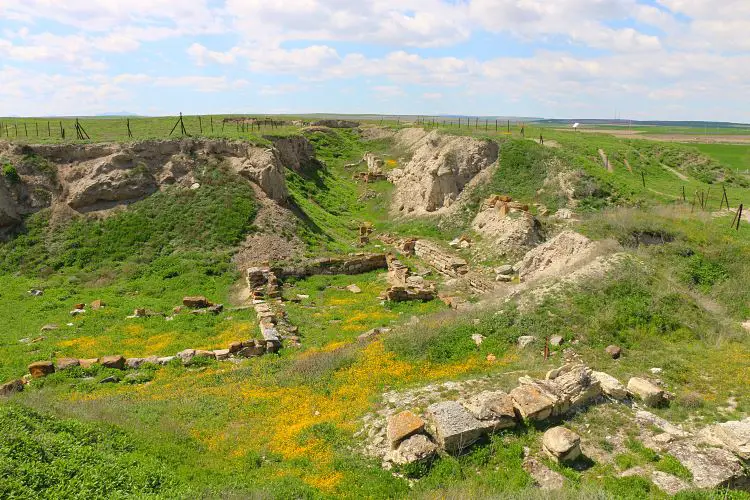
{"x":11,"y":387}
{"x":197,"y":302}
{"x":221,"y":354}
{"x":649,"y":393}
{"x":65,"y":363}
{"x":544,"y":477}
{"x":115,"y":361}
{"x":40,"y":369}
{"x":561,"y":444}
{"x":610,"y":385}
{"x":669,"y":484}
{"x":531,"y":403}
{"x":413,"y":449}
{"x":455,"y":428}
{"x":88,"y":363}
{"x":711,"y":467}
{"x":733,"y":435}
{"x":402,"y":426}
{"x":495,"y":407}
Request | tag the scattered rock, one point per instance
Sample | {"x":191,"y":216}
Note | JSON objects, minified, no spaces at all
{"x":478,"y":339}
{"x":109,"y":380}
{"x":215,"y":309}
{"x":80,"y":306}
{"x":556,"y":340}
{"x":11,"y":387}
{"x":655,"y":371}
{"x":372,"y":334}
{"x":416,"y":448}
{"x":115,"y":361}
{"x":505,"y":270}
{"x":88,"y":363}
{"x":354,"y":288}
{"x":614,"y":351}
{"x":40,"y":369}
{"x":165,"y":360}
{"x":648,"y":418}
{"x":544,"y":477}
{"x":649,"y":393}
{"x":97,"y":304}
{"x":610,"y":385}
{"x":49,"y":328}
{"x":491,"y":358}
{"x":65,"y":363}
{"x":76,"y":312}
{"x":202,"y":353}
{"x":252,"y":350}
{"x":402,"y":426}
{"x":36,"y":293}
{"x":198,"y":302}
{"x":669,"y":484}
{"x":186,"y":355}
{"x":525,"y":340}
{"x":235,"y":347}
{"x":562,"y":444}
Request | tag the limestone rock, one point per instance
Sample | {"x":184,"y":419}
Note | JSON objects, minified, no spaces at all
{"x":544,"y":477}
{"x":493,"y":406}
{"x":97,"y":304}
{"x":733,"y":435}
{"x":441,"y":166}
{"x":197,"y":302}
{"x":354,"y":288}
{"x":11,"y":387}
{"x":610,"y":385}
{"x":556,"y":340}
{"x":507,"y":233}
{"x":116,"y":361}
{"x":505,"y":270}
{"x":455,"y":428}
{"x":134,"y":363}
{"x":416,"y":448}
{"x":165,"y":360}
{"x":65,"y":363}
{"x":202,"y":353}
{"x":614,"y":351}
{"x":669,"y":484}
{"x":221,"y":354}
{"x":402,"y":426}
{"x":649,"y":393}
{"x":711,"y":467}
{"x":525,"y":340}
{"x":531,"y":403}
{"x":562,"y":444}
{"x":88,"y":363}
{"x":49,"y":328}
{"x":648,"y":418}
{"x":40,"y":369}
{"x":251,"y":350}
{"x":235,"y":347}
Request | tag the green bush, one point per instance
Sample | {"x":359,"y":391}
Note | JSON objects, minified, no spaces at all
{"x":10,"y":173}
{"x":46,"y":457}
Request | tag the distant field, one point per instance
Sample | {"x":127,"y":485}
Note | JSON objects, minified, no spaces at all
{"x":735,"y":156}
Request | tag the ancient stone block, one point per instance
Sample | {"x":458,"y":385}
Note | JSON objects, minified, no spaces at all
{"x":455,"y":428}
{"x":115,"y":361}
{"x":40,"y":369}
{"x":403,"y":425}
{"x":649,"y":393}
{"x":561,"y":444}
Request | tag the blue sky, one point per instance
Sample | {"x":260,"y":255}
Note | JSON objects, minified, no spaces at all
{"x":639,"y":59}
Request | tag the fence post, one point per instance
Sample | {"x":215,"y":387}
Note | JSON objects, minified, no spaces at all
{"x":643,"y":178}
{"x":739,"y":216}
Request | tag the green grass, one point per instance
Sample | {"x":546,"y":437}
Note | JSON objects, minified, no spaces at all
{"x":736,"y":156}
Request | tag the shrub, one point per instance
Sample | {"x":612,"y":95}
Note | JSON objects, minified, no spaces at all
{"x":10,"y":173}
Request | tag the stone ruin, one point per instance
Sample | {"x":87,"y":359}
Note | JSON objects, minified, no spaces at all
{"x":404,"y":286}
{"x":269,"y":307}
{"x":444,"y":262}
{"x":400,"y":434}
{"x":374,"y":171}
{"x":365,"y":230}
{"x":353,"y":264}
{"x":507,"y":225}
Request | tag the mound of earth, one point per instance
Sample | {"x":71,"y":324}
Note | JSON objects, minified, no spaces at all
{"x":558,"y":256}
{"x":509,"y":234}
{"x":440,"y":167}
{"x":91,"y":177}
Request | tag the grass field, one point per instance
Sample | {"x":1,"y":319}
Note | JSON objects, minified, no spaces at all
{"x":283,"y":426}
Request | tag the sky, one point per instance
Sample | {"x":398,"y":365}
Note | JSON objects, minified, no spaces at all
{"x":634,"y":59}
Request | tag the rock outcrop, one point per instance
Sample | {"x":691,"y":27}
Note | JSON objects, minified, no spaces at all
{"x":440,"y":167}
{"x":558,"y":255}
{"x":91,"y":177}
{"x":507,"y":227}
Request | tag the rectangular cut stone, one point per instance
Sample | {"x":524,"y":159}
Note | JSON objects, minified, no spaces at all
{"x":455,"y":428}
{"x":531,"y":403}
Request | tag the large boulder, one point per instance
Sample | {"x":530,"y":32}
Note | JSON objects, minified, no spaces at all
{"x":711,"y":467}
{"x":561,"y":444}
{"x":65,"y":363}
{"x":495,"y":407}
{"x":455,"y":429}
{"x":610,"y":385}
{"x":40,"y":369}
{"x":531,"y":403}
{"x":402,"y":426}
{"x":11,"y":387}
{"x":416,"y":448}
{"x":116,"y":361}
{"x":733,"y":435}
{"x":651,"y":394}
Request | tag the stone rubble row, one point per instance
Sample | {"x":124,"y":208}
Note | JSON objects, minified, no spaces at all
{"x":454,"y":426}
{"x":270,"y":321}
